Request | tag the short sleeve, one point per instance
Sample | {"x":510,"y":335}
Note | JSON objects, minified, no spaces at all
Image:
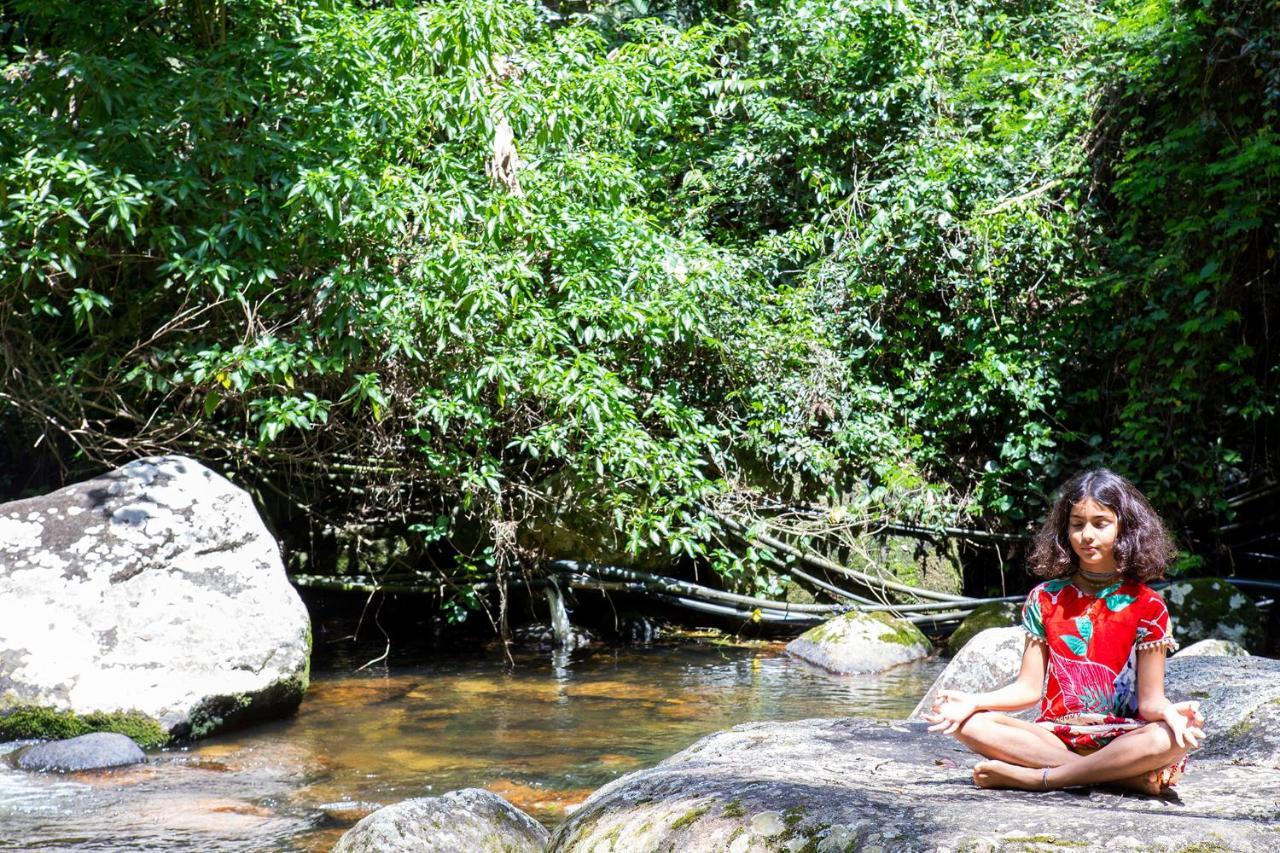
{"x":1032,"y":618}
{"x":1155,"y":629}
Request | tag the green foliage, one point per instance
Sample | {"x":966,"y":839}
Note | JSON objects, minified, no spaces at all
{"x":32,"y":722}
{"x":926,"y":257}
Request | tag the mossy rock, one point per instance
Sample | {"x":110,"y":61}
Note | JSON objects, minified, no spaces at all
{"x":1211,"y":608}
{"x":859,"y":643}
{"x":997,"y":614}
{"x":46,"y":724}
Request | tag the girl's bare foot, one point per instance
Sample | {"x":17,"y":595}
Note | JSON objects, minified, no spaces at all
{"x":1001,"y":774}
{"x":1145,"y":783}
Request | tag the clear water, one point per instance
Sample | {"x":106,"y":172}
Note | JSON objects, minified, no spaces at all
{"x":544,"y":735}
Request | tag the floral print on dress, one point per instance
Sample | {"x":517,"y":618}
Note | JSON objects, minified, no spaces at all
{"x":1093,"y":642}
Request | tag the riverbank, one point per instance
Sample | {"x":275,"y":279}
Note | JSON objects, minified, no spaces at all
{"x":544,"y":735}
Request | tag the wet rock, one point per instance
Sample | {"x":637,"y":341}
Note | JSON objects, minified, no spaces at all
{"x":150,"y":600}
{"x":538,"y":636}
{"x":1211,"y":608}
{"x":95,"y":751}
{"x":863,"y":785}
{"x":997,"y":614}
{"x":990,"y":660}
{"x":858,"y":643}
{"x":471,"y":819}
{"x":1214,"y":648}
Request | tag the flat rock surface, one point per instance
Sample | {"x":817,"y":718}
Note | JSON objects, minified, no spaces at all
{"x":472,"y":819}
{"x":95,"y":751}
{"x":156,"y":589}
{"x":859,"y":784}
{"x":855,"y":784}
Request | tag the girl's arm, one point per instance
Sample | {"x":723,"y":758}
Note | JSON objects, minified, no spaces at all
{"x":1182,"y":717}
{"x":951,"y":707}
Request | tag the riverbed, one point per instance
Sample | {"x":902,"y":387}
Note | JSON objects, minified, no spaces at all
{"x":544,"y":734}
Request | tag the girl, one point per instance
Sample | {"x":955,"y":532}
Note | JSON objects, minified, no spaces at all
{"x":1101,"y":634}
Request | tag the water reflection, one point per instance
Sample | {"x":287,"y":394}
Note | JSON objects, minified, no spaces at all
{"x":543,"y":735}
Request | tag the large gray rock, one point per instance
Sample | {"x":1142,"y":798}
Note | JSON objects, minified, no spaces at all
{"x":1240,"y":699}
{"x":472,"y":819}
{"x":829,"y":785}
{"x":1212,"y":608}
{"x":149,"y":600}
{"x":95,"y":751}
{"x":989,"y":660}
{"x":858,"y":643}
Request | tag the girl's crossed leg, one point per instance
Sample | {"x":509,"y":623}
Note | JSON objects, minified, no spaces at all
{"x":1021,"y":750}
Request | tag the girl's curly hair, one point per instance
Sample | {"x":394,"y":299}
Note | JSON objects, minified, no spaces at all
{"x":1143,"y":548}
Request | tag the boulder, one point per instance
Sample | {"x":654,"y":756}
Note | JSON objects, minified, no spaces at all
{"x":990,"y":660}
{"x":1214,"y":648}
{"x":95,"y":751}
{"x":855,"y":784}
{"x":996,"y":614}
{"x":860,"y":643}
{"x":150,"y":601}
{"x":1211,"y":608}
{"x":1240,"y":699}
{"x":471,"y":819}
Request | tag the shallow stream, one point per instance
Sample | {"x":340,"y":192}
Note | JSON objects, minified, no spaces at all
{"x":544,"y":735}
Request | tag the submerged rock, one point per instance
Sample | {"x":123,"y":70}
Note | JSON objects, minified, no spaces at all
{"x":997,"y":614}
{"x":96,"y":751}
{"x":1211,"y":608}
{"x":151,"y":601}
{"x":471,"y":819}
{"x":859,"y":643}
{"x":990,"y":660}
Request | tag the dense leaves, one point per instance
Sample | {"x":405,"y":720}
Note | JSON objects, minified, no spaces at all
{"x":925,"y":257}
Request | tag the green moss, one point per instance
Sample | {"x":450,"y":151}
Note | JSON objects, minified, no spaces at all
{"x":690,"y":817}
{"x":1204,"y":847}
{"x":734,"y":809}
{"x":997,"y":614}
{"x":1051,"y":840}
{"x":792,"y":816}
{"x":1207,"y":608}
{"x":48,"y":724}
{"x":901,"y":632}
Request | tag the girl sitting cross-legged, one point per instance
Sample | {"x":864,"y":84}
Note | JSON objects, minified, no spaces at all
{"x":1101,"y":634}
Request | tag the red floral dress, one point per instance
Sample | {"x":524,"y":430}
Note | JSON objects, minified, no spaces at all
{"x":1091,"y":695}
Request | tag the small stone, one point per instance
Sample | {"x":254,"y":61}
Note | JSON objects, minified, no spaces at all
{"x":767,"y":824}
{"x":471,"y":819}
{"x":96,"y":751}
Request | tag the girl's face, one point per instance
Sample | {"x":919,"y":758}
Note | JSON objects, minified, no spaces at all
{"x":1092,"y":529}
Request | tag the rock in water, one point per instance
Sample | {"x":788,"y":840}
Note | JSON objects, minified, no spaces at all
{"x":859,"y":643}
{"x":151,"y":600}
{"x":830,"y":785}
{"x":988,"y":661}
{"x":95,"y":751}
{"x":472,"y":819}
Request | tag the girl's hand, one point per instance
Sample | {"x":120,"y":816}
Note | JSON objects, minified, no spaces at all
{"x":1185,"y":720}
{"x":950,"y":709}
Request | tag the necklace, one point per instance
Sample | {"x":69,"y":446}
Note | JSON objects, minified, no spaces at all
{"x":1092,"y":582}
